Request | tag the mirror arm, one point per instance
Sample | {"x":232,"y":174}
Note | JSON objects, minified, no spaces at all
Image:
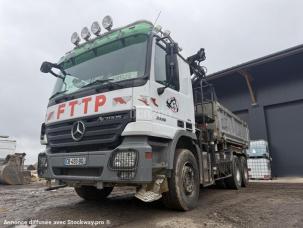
{"x":56,"y":75}
{"x":59,"y":68}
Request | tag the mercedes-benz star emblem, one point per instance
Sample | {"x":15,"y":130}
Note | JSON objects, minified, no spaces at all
{"x":78,"y":130}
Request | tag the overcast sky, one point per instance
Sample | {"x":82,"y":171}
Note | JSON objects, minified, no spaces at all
{"x":231,"y":31}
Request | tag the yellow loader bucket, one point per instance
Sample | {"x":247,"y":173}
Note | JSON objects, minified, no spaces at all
{"x":11,"y":169}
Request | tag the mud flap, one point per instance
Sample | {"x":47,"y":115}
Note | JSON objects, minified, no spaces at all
{"x":153,"y":192}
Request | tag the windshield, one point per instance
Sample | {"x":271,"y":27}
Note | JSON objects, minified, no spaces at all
{"x":117,"y":61}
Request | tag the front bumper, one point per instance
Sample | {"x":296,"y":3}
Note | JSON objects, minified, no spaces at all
{"x":97,"y":168}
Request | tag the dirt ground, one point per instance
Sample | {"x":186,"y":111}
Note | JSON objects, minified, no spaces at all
{"x":259,"y":205}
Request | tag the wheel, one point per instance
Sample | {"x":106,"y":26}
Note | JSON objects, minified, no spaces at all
{"x":184,"y":183}
{"x":235,"y":181}
{"x":92,"y":193}
{"x":244,"y":171}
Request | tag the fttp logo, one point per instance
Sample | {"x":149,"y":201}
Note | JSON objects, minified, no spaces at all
{"x":76,"y":108}
{"x":78,"y":130}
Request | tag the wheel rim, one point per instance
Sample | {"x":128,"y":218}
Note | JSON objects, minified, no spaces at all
{"x":238,"y":175}
{"x":188,"y":179}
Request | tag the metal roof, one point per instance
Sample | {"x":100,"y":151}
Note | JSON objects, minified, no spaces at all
{"x":263,"y":60}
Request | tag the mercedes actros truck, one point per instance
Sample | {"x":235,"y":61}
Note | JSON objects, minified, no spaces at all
{"x":129,"y":109}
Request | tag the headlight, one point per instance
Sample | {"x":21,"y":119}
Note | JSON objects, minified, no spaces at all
{"x":124,"y":160}
{"x":85,"y":34}
{"x":43,"y":138}
{"x":107,"y":23}
{"x":95,"y":28}
{"x":75,"y":39}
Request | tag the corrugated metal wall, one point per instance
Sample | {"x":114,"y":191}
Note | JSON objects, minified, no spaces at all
{"x":278,"y":115}
{"x":285,"y":135}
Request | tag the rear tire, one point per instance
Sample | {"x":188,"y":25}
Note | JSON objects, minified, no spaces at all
{"x":91,"y":193}
{"x":235,"y":181}
{"x":244,"y":172}
{"x":184,"y":184}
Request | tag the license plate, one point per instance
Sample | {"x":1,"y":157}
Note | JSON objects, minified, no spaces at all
{"x":75,"y":161}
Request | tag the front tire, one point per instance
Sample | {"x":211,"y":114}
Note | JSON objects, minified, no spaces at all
{"x":91,"y":193}
{"x":184,"y":184}
{"x":235,"y":181}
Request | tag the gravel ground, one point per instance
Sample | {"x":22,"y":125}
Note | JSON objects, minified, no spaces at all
{"x":259,"y":205}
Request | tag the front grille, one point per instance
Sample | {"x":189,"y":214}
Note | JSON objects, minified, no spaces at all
{"x":102,"y":132}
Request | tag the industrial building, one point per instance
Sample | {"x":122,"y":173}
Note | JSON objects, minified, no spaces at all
{"x":268,"y":94}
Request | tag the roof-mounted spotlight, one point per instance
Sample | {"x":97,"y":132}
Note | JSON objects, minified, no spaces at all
{"x":158,"y":28}
{"x":107,"y":23}
{"x":166,"y":33}
{"x":85,"y":34}
{"x":75,"y":39}
{"x":95,"y":28}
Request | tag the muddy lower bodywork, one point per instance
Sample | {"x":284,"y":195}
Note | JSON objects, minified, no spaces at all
{"x":98,"y":166}
{"x":100,"y":171}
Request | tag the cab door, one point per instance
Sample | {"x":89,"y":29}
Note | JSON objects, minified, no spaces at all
{"x":173,"y":109}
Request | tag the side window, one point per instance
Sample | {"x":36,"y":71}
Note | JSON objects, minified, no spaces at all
{"x":184,"y":75}
{"x":160,"y":69}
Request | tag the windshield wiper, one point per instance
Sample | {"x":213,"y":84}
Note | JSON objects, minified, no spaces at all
{"x":101,"y":82}
{"x":57,"y":93}
{"x":96,"y":82}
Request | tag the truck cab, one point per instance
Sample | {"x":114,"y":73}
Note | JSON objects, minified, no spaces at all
{"x":122,"y":113}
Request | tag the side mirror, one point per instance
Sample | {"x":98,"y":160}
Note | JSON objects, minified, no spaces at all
{"x":171,"y":63}
{"x":171,"y":66}
{"x":172,"y":48}
{"x":172,"y":73}
{"x":46,"y":67}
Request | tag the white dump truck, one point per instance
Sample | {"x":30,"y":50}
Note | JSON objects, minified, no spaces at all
{"x":129,"y":109}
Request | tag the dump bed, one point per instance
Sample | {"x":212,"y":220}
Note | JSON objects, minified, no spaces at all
{"x":226,"y":125}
